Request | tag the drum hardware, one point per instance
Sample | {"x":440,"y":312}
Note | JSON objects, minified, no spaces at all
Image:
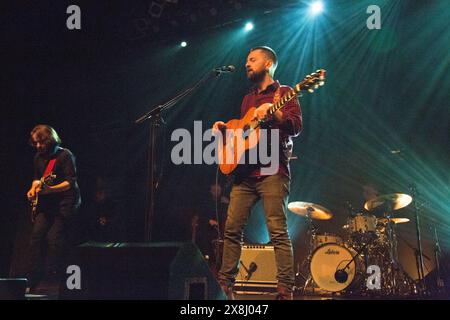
{"x":420,"y":265}
{"x":311,"y":233}
{"x":310,"y":211}
{"x":341,"y":275}
{"x":396,"y":282}
{"x":362,"y":227}
{"x":328,"y":259}
{"x":337,"y":266}
{"x":393,"y":201}
{"x":437,"y":253}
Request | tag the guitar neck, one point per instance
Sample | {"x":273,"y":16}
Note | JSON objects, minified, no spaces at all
{"x":286,"y":98}
{"x":315,"y":80}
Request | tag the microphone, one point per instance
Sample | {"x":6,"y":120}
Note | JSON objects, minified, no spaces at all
{"x":251,"y":268}
{"x":341,"y":276}
{"x":225,"y":69}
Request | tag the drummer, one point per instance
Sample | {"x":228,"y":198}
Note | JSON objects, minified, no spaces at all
{"x":370,"y":192}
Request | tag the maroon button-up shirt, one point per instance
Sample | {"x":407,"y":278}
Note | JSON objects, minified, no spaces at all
{"x":290,"y":126}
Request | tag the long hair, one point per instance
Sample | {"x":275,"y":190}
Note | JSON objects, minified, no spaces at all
{"x":46,"y":134}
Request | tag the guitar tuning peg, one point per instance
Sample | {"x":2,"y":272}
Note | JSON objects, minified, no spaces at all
{"x":316,"y":86}
{"x":321,"y":83}
{"x":310,"y":90}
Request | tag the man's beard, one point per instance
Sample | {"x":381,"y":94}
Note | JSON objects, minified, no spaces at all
{"x":256,"y":77}
{"x":42,"y":151}
{"x":47,"y":151}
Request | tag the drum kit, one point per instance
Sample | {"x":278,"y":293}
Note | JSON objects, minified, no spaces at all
{"x":339,"y":266}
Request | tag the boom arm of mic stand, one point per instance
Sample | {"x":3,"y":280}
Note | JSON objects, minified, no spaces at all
{"x":155,"y":116}
{"x":158,"y":109}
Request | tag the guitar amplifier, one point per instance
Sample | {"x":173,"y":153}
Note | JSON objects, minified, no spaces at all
{"x":257,"y":269}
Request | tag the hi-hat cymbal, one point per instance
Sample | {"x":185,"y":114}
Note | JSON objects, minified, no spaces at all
{"x":312,"y":210}
{"x":394,"y":220}
{"x":395,"y":201}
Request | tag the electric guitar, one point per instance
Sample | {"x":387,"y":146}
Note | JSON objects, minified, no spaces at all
{"x":44,"y":181}
{"x":243,"y":134}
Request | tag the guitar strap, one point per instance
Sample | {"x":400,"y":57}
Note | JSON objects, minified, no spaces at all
{"x":50,"y":167}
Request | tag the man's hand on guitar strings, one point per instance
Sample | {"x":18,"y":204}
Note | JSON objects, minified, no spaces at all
{"x":262,"y":112}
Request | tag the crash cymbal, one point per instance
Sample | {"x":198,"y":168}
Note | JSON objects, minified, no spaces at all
{"x":394,"y":220}
{"x":312,"y":210}
{"x":395,"y":201}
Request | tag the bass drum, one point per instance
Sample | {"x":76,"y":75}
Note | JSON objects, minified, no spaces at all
{"x":328,"y":259}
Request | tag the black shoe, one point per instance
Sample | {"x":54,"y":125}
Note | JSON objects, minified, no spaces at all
{"x":284,"y":293}
{"x":228,"y":290}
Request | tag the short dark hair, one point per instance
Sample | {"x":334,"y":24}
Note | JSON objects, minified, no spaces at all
{"x":270,"y":53}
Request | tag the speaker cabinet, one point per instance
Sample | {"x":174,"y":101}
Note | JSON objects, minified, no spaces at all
{"x":12,"y":288}
{"x":257,"y":269}
{"x":165,"y":270}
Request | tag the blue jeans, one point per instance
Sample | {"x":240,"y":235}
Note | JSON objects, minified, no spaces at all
{"x":274,"y":192}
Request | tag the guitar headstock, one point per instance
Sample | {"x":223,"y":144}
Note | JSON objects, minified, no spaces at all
{"x":312,"y":81}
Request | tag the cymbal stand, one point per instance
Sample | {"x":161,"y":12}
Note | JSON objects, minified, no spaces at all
{"x":437,"y":253}
{"x":400,"y":284}
{"x":420,"y":270}
{"x":311,"y":232}
{"x":392,"y":247}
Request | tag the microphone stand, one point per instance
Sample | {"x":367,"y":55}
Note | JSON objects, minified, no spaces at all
{"x":416,"y":252}
{"x":155,"y":119}
{"x":245,"y":268}
{"x":420,"y":269}
{"x":437,"y":253}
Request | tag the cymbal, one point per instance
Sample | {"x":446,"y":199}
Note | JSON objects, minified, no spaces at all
{"x":395,"y":220}
{"x":395,"y":200}
{"x":312,"y":210}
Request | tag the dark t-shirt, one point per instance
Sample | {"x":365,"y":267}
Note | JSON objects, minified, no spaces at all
{"x":65,"y":170}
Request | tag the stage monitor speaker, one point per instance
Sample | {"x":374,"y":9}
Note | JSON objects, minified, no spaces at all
{"x":12,"y":288}
{"x":257,"y":267}
{"x":155,"y":271}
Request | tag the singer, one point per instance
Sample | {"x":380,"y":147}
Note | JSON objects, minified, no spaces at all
{"x":250,"y":185}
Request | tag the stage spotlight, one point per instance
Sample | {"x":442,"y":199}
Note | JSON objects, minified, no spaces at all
{"x":316,"y":7}
{"x":248,"y":26}
{"x":183,"y":44}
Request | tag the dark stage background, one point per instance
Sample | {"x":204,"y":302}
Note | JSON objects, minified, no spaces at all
{"x":381,"y":118}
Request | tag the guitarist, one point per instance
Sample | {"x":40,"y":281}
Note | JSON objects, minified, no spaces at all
{"x":250,"y":185}
{"x":57,"y":203}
